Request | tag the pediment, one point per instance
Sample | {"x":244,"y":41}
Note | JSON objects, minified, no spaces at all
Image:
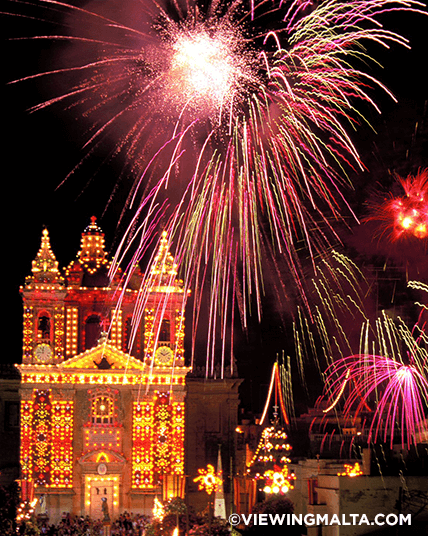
{"x":102,"y":456}
{"x":103,"y":358}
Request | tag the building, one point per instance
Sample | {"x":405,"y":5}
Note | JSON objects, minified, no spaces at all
{"x":211,"y":423}
{"x":363,"y":503}
{"x":99,"y":421}
{"x":9,"y":424}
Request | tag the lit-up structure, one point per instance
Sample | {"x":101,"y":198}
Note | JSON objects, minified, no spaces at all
{"x":208,"y":480}
{"x":351,"y":470}
{"x":99,"y":420}
{"x":269,"y":465}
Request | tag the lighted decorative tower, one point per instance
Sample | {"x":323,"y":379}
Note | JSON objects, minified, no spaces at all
{"x":91,"y":262}
{"x":164,"y":312}
{"x":43,"y":299}
{"x":269,"y":465}
{"x":159,"y":415}
{"x":90,"y":303}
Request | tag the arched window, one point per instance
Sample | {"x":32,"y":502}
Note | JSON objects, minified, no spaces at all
{"x":127,"y":332}
{"x":131,"y":341}
{"x":92,"y":331}
{"x":102,"y":409}
{"x":44,"y":326}
{"x":165,"y":331}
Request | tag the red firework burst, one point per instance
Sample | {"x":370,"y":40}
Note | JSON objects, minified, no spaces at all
{"x":406,"y":216}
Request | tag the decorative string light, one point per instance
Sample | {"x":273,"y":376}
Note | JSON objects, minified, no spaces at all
{"x":208,"y":480}
{"x":92,"y":255}
{"x":158,"y":439}
{"x":47,"y":440}
{"x":351,"y":470}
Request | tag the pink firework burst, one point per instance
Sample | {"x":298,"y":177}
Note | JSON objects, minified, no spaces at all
{"x":390,"y":391}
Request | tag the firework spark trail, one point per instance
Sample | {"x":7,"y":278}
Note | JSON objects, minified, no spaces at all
{"x":252,"y":112}
{"x":338,"y":306}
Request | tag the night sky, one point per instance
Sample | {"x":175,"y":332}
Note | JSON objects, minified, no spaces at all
{"x":40,"y":149}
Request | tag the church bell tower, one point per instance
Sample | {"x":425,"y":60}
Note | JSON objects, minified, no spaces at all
{"x":43,"y":299}
{"x":164,"y":311}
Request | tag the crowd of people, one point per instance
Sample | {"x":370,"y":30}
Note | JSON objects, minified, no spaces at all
{"x":127,"y":524}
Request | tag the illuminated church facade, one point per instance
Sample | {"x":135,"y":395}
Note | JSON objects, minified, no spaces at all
{"x":100,"y":421}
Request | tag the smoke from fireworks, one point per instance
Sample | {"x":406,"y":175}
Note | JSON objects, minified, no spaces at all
{"x":234,"y":118}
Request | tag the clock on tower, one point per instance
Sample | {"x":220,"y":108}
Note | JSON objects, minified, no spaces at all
{"x":164,"y":356}
{"x":43,"y":352}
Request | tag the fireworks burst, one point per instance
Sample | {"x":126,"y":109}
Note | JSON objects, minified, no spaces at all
{"x":387,"y":382}
{"x":395,"y":392}
{"x":234,"y":119}
{"x":207,"y":72}
{"x":406,"y":216}
{"x":374,"y":369}
{"x":338,"y":310}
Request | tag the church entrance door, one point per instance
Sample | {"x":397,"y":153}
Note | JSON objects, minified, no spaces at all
{"x":101,"y":490}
